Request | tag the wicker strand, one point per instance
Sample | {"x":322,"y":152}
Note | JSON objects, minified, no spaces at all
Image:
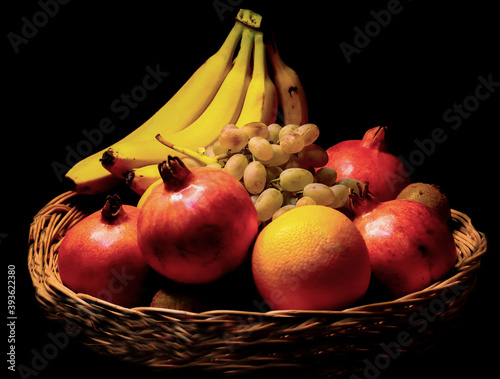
{"x":241,"y":342}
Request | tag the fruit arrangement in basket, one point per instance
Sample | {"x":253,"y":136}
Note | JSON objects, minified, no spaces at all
{"x":223,"y":189}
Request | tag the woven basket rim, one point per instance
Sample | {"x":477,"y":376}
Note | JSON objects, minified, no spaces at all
{"x":240,"y":342}
{"x":40,"y":278}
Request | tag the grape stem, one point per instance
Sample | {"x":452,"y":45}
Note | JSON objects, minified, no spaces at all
{"x":276,"y":184}
{"x":221,"y":156}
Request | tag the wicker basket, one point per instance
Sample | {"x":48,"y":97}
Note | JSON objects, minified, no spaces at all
{"x":239,"y":342}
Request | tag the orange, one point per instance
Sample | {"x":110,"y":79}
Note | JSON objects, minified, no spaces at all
{"x":311,"y":258}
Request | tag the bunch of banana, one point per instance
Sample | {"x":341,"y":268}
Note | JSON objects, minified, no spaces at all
{"x":291,"y":95}
{"x":224,"y":90}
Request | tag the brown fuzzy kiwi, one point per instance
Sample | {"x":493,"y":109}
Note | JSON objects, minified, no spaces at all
{"x":178,"y":301}
{"x":428,"y":194}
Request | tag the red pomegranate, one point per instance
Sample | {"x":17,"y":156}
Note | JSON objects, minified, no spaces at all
{"x":410,"y":246}
{"x":198,"y":226}
{"x":99,"y":256}
{"x":368,"y":160}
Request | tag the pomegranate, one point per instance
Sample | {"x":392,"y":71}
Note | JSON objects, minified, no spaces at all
{"x":368,"y":160}
{"x":198,"y":226}
{"x":409,"y":244}
{"x":99,"y":256}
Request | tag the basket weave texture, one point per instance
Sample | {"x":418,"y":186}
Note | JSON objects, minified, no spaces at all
{"x":333,"y":343}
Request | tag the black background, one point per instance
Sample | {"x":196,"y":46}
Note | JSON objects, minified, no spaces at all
{"x":426,"y":59}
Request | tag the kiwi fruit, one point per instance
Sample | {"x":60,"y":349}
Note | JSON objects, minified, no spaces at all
{"x":430,"y":195}
{"x":178,"y":301}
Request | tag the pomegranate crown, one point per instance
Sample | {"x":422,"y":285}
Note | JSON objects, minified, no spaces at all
{"x":362,"y":201}
{"x":112,"y":207}
{"x":374,"y":138}
{"x":174,"y":173}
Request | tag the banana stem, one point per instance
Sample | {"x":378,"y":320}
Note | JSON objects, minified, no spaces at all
{"x":249,"y":18}
{"x":190,"y":153}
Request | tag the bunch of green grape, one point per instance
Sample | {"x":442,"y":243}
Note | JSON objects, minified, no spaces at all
{"x":280,"y":167}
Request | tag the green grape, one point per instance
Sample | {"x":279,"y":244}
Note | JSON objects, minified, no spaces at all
{"x":254,"y":177}
{"x":326,"y":175}
{"x":279,"y":157}
{"x":269,"y":201}
{"x":341,"y":193}
{"x":236,"y":165}
{"x":229,"y":126}
{"x":273,"y":132}
{"x":305,"y":200}
{"x":233,"y":139}
{"x":255,"y":129}
{"x":292,"y":143}
{"x":316,"y":155}
{"x":287,"y":129}
{"x":282,"y":210}
{"x":320,"y":193}
{"x":214,"y":165}
{"x":209,"y":151}
{"x":309,"y":132}
{"x":355,"y":185}
{"x":191,"y":162}
{"x":297,"y":162}
{"x":295,"y":179}
{"x":218,"y":149}
{"x":260,"y":148}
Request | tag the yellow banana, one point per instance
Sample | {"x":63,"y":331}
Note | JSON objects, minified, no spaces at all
{"x":271,"y":103}
{"x":224,"y":109}
{"x":88,"y":176}
{"x":261,"y":101}
{"x":291,"y":93}
{"x":139,"y":179}
{"x":148,"y":191}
